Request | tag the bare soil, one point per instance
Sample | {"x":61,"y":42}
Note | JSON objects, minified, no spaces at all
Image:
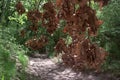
{"x":48,"y":69}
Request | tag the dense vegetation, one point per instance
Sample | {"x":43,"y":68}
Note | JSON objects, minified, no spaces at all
{"x":20,"y":33}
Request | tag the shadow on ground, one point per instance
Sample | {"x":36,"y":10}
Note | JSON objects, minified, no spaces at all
{"x":46,"y":69}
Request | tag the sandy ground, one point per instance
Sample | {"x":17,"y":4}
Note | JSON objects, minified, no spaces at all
{"x":47,"y":69}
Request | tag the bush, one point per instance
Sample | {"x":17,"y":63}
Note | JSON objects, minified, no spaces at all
{"x":109,"y":33}
{"x":10,"y":54}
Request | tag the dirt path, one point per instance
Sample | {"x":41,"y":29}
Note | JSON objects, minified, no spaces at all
{"x":46,"y":69}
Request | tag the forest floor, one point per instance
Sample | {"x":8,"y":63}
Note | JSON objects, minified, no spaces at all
{"x":48,"y":69}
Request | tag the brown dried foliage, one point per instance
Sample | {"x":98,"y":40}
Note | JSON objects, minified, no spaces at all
{"x":81,"y":53}
{"x":37,"y":43}
{"x":60,"y":46}
{"x":66,"y":9}
{"x":49,"y":20}
{"x":34,"y":27}
{"x":22,"y":33}
{"x":34,"y":16}
{"x":20,"y":8}
{"x":81,"y":20}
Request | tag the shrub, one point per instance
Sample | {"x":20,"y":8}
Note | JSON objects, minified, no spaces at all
{"x":109,"y":33}
{"x":10,"y":54}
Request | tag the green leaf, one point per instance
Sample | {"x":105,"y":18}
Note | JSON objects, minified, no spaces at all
{"x":2,"y":77}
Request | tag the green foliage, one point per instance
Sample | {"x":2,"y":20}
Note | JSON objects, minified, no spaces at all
{"x":109,"y":33}
{"x":53,"y":39}
{"x":10,"y":51}
{"x":3,"y":78}
{"x":112,"y":66}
